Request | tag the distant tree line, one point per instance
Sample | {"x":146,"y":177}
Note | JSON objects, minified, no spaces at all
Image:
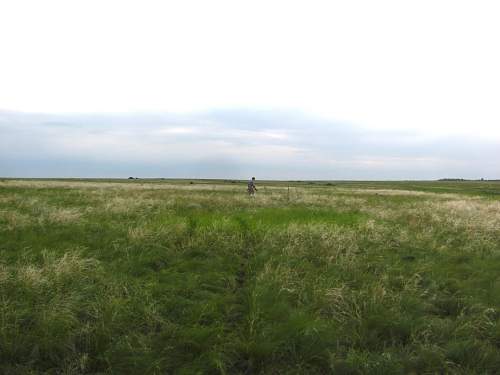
{"x":463,"y":179}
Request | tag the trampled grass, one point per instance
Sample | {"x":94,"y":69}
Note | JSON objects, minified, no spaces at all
{"x":155,"y":277}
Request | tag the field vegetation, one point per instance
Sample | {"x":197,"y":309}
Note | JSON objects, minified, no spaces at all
{"x":195,"y":277}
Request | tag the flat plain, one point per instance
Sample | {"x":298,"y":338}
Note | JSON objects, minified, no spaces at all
{"x":195,"y":277}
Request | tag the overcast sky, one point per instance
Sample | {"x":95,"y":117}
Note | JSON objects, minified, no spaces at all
{"x":228,"y":89}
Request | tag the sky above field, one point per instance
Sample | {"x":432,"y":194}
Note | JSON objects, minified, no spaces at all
{"x":229,"y":89}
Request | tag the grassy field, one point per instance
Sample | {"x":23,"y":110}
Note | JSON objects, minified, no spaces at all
{"x":195,"y":277}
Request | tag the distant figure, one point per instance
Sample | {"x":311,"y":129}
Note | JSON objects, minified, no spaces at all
{"x":251,"y":187}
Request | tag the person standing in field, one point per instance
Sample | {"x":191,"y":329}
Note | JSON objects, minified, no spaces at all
{"x":251,"y":187}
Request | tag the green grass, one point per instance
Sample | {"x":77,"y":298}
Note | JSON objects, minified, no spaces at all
{"x":155,"y":277}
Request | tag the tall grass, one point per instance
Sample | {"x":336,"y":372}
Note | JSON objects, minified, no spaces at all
{"x":155,"y":278}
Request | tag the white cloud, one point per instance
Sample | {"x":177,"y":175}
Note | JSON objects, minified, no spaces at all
{"x":428,"y":66}
{"x":231,"y":144}
{"x":178,"y":130}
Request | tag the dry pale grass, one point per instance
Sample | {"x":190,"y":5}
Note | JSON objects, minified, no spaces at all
{"x":457,"y":211}
{"x":334,"y":244}
{"x":38,"y":212}
{"x":32,"y":276}
{"x":13,"y":220}
{"x":475,"y":220}
{"x":70,"y":263}
{"x":43,"y":184}
{"x":471,"y":214}
{"x":267,"y":195}
{"x":30,"y":203}
{"x":475,"y":212}
{"x":4,"y":274}
{"x":339,"y":202}
{"x":139,"y":233}
{"x":381,"y":212}
{"x":55,"y":268}
{"x":397,"y":192}
{"x":11,"y":198}
{"x":123,"y":205}
{"x":288,"y":278}
{"x":44,"y":214}
{"x":62,"y":215}
{"x":339,"y":304}
{"x":344,"y":303}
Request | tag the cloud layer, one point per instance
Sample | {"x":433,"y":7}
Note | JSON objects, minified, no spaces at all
{"x":231,"y":144}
